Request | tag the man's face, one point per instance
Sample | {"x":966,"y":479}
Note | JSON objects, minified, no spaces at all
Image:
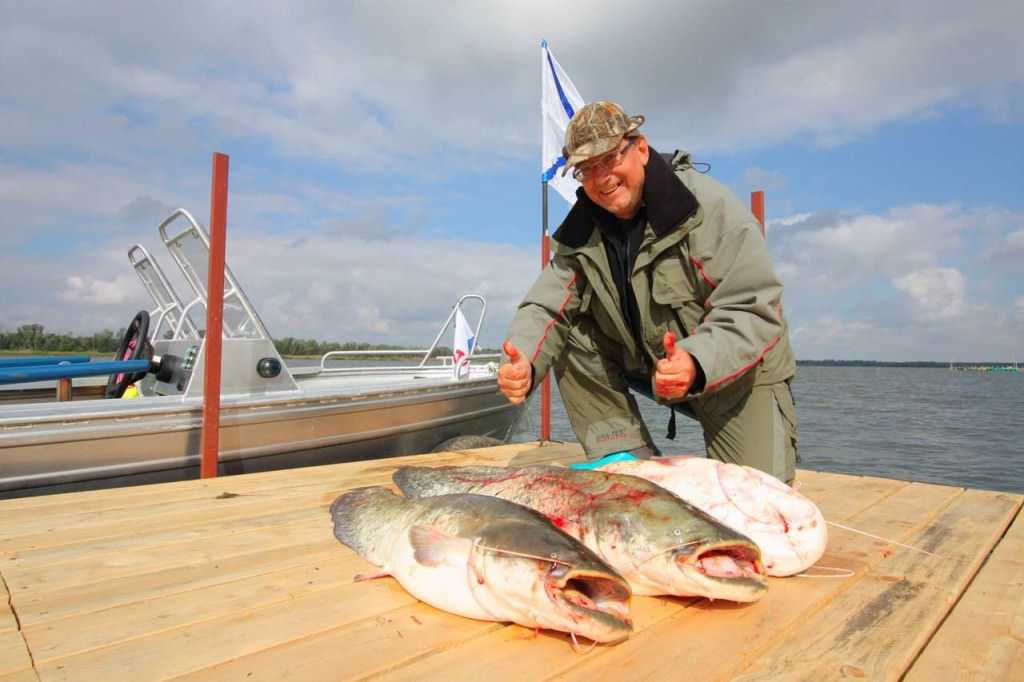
{"x":617,"y":187}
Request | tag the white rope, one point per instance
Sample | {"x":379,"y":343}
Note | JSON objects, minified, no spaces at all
{"x":838,"y":572}
{"x":879,"y":537}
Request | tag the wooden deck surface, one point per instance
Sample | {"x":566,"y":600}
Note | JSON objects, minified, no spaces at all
{"x":240,"y":578}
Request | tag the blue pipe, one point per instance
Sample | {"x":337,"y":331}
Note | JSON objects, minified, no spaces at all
{"x":19,"y":375}
{"x":35,"y":360}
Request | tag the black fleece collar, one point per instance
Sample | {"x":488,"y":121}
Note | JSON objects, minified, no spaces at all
{"x":667,"y":200}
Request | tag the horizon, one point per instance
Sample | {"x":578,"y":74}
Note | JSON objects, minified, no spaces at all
{"x":442,"y":348}
{"x":385,"y":162}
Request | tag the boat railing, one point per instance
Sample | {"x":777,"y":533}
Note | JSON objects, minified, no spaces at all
{"x":446,"y":363}
{"x":169,"y":308}
{"x":190,"y":248}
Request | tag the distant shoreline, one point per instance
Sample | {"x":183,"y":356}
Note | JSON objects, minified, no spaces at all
{"x":918,"y":364}
{"x":803,"y":363}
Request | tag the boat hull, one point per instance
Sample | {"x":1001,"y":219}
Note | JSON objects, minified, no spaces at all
{"x":102,"y":444}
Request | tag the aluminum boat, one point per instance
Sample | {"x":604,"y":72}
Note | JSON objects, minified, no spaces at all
{"x":271,"y":416}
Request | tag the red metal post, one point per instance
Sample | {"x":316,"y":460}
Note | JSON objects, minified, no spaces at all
{"x":210,"y":441}
{"x":545,"y":388}
{"x":757,"y":207}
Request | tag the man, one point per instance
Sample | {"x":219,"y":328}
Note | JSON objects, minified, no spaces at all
{"x":661,"y":284}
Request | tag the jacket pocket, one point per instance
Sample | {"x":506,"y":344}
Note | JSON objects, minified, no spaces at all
{"x":671,"y":287}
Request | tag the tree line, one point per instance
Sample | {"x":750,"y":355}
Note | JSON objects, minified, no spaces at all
{"x":33,"y":338}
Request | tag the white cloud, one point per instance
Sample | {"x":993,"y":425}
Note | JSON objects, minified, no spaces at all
{"x":938,"y":293}
{"x":913,"y":283}
{"x":764,"y":179}
{"x":89,"y":290}
{"x":844,"y":250}
{"x":830,"y":337}
{"x":377,"y":83}
{"x":341,"y":287}
{"x":789,"y":220}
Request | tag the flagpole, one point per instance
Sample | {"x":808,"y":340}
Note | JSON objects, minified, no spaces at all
{"x":545,"y":257}
{"x":559,"y":100}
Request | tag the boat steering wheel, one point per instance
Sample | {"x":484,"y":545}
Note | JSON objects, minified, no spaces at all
{"x":134,"y":345}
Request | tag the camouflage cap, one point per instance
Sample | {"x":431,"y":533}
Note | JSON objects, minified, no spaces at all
{"x":596,"y":129}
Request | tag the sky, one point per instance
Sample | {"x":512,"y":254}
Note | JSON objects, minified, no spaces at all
{"x":385,"y":157}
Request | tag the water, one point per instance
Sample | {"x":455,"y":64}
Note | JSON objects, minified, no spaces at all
{"x":934,"y":425}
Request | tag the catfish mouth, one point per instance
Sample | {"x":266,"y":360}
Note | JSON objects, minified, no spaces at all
{"x":732,"y":564}
{"x":594,"y":596}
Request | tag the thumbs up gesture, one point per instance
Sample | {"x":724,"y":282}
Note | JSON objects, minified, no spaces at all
{"x":674,"y":374}
{"x":515,"y":376}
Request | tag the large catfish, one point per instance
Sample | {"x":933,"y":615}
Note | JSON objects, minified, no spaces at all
{"x":659,"y":542}
{"x":486,"y":558}
{"x":787,"y":526}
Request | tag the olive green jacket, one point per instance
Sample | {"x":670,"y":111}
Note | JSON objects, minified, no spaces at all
{"x":702,"y":270}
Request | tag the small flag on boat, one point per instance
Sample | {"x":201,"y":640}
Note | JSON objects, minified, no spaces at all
{"x":559,"y":100}
{"x":463,"y":345}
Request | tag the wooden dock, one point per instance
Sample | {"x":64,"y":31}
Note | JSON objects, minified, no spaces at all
{"x":240,"y":578}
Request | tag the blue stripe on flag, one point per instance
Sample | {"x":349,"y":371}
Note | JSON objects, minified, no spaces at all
{"x":558,"y":86}
{"x":550,"y":172}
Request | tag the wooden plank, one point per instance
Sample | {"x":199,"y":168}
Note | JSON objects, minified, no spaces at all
{"x":105,"y":593}
{"x":83,"y":632}
{"x":91,"y":568}
{"x":112,"y":512}
{"x":14,"y":657}
{"x":198,"y":646}
{"x":7,"y":619}
{"x":707,"y":633}
{"x":80,"y":528}
{"x":549,"y":453}
{"x":365,"y":648}
{"x":517,"y":653}
{"x":841,"y":497}
{"x":15,"y":661}
{"x":878,"y":626}
{"x":204,"y":532}
{"x":983,"y":637}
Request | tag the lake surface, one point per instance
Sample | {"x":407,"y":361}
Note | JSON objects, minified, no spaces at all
{"x":934,"y":425}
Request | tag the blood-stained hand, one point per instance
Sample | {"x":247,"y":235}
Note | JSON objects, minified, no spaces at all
{"x":515,"y":376}
{"x":674,"y":374}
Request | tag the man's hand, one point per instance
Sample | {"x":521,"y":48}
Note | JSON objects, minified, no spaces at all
{"x":674,"y":374}
{"x":515,"y":376}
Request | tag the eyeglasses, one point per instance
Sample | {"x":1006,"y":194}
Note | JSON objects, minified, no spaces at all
{"x":602,"y":163}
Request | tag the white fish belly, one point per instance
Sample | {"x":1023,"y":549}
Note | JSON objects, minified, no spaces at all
{"x":445,"y":586}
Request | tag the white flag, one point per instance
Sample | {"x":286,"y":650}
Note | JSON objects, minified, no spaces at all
{"x":559,"y":100}
{"x":463,"y":345}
